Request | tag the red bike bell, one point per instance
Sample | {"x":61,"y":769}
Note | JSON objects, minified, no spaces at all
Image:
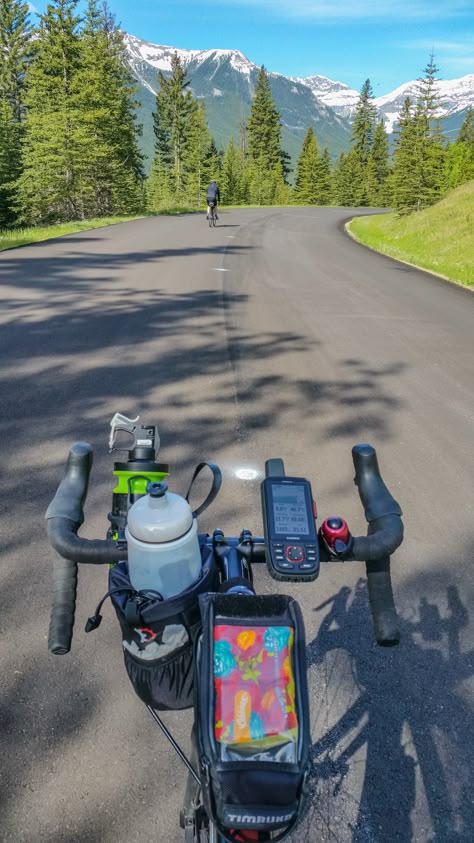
{"x":335,"y":528}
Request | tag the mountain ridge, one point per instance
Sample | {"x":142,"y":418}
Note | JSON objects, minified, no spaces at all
{"x":225,"y":79}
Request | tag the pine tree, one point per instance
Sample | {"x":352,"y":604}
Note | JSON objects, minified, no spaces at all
{"x":159,"y":192}
{"x":430,"y":150}
{"x":111,"y":176}
{"x":460,"y":155}
{"x":175,"y":108}
{"x":307,"y":171}
{"x":9,"y":163}
{"x":459,"y":164}
{"x":377,"y":190}
{"x":186,"y":158}
{"x":371,"y":185}
{"x":325,"y":178}
{"x":47,"y":188}
{"x":266,"y":160}
{"x":232,"y":174}
{"x":403,"y":181}
{"x":466,"y":132}
{"x":201,"y":160}
{"x":349,"y":180}
{"x":363,"y":125}
{"x":15,"y":54}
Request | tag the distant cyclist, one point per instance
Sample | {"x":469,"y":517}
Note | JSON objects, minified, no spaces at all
{"x":213,"y":197}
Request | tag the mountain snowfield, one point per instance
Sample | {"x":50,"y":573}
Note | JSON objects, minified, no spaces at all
{"x":455,"y":94}
{"x":225,"y":81}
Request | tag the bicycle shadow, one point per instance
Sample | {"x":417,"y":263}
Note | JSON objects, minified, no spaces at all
{"x":415,"y":728}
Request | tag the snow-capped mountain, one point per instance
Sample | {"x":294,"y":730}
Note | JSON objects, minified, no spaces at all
{"x":225,"y":80}
{"x":455,"y":95}
{"x":334,"y":94}
{"x":159,"y":57}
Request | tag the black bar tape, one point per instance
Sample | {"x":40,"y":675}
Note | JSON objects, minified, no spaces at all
{"x":64,"y":606}
{"x":385,"y":535}
{"x":62,"y":534}
{"x":382,"y":605}
{"x":376,"y":499}
{"x":68,"y":501}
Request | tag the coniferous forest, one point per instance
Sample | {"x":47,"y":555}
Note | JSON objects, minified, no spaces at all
{"x":70,"y":138}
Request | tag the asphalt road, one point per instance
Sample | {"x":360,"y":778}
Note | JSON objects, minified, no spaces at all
{"x":272,"y":335}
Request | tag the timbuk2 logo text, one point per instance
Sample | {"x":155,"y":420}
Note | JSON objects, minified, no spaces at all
{"x":257,"y":820}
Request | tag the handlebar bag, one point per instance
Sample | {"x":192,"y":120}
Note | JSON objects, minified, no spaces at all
{"x":158,"y":635}
{"x":252,"y":712}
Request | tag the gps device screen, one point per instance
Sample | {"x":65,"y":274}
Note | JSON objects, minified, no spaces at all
{"x":291,"y":540}
{"x":290,"y":512}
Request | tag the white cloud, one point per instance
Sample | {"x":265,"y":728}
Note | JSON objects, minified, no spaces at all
{"x":335,"y":10}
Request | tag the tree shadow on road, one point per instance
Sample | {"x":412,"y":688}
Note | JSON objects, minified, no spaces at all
{"x":408,"y":715}
{"x":79,"y":342}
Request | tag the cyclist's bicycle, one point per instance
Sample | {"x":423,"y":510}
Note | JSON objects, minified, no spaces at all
{"x":212,"y":215}
{"x":216,"y":805}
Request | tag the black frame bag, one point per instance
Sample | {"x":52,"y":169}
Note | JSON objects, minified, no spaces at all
{"x":260,"y":780}
{"x":158,"y":635}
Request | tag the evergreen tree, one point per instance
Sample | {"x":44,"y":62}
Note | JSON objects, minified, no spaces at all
{"x":377,"y":190}
{"x":349,"y":180}
{"x":325,"y":178}
{"x":15,"y":53}
{"x":459,"y":164}
{"x":307,"y":189}
{"x":186,"y":158}
{"x":47,"y":188}
{"x":110,"y":174}
{"x":371,"y":185}
{"x":159,"y":192}
{"x":175,"y":111}
{"x":363,"y":125}
{"x":419,"y":162}
{"x":232,"y":175}
{"x":9,"y":163}
{"x":466,"y":132}
{"x":201,"y":160}
{"x":266,"y":161}
{"x":403,"y":182}
{"x":429,"y":161}
{"x":460,"y":155}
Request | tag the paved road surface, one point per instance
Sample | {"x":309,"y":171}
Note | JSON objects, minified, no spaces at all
{"x":273,"y":334}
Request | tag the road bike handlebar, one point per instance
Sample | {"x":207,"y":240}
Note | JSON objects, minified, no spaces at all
{"x":65,"y":515}
{"x":385,"y":534}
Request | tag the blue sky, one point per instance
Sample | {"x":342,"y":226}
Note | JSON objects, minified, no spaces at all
{"x":388,"y":41}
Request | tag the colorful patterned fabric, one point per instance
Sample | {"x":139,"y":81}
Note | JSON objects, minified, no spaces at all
{"x":254,"y":685}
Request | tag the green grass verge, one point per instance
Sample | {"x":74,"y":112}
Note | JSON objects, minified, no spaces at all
{"x":22,"y":236}
{"x":439,"y":239}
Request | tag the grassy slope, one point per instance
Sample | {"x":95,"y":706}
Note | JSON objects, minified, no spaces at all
{"x":439,"y":239}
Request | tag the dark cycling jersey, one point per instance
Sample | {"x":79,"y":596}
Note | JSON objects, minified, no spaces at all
{"x":213,"y":193}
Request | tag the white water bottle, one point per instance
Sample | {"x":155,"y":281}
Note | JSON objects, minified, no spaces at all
{"x":163,"y":544}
